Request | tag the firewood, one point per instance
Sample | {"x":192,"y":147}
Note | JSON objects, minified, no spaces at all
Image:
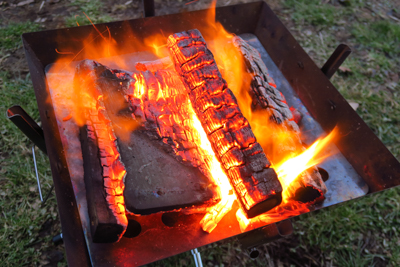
{"x":309,"y":187}
{"x":168,"y":112}
{"x":104,"y":171}
{"x":154,"y":105}
{"x":242,"y":158}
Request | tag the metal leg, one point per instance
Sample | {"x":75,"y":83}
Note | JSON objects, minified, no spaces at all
{"x":58,"y":239}
{"x":197,"y":257}
{"x":37,"y":174}
{"x":148,"y":8}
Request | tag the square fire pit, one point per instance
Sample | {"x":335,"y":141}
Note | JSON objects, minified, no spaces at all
{"x":360,"y":164}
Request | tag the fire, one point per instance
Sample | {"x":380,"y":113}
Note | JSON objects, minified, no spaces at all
{"x":282,"y":212}
{"x":228,"y":58}
{"x":218,"y":211}
{"x":215,"y":167}
{"x":102,"y":47}
{"x":157,"y":43}
{"x":290,"y":169}
{"x":273,"y":137}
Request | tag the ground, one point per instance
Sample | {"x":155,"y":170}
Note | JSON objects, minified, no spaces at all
{"x":362,"y":232}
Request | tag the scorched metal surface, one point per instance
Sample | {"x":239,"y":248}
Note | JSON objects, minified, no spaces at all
{"x":363,"y":150}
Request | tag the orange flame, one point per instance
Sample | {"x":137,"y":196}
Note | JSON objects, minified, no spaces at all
{"x":290,"y":169}
{"x":228,"y":58}
{"x":218,"y":211}
{"x":102,"y":47}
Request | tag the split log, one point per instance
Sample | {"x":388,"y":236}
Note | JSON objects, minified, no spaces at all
{"x":166,"y":170}
{"x":167,"y":115}
{"x":104,"y":171}
{"x":242,"y":158}
{"x":309,"y":187}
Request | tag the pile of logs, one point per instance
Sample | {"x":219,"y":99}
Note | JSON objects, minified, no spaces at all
{"x":163,"y":97}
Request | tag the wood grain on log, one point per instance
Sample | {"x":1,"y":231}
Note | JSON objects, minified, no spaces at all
{"x":309,"y":187}
{"x":242,"y":158}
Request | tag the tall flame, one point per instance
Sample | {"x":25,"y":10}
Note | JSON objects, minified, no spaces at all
{"x":290,"y":169}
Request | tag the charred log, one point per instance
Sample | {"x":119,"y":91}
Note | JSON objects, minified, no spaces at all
{"x":309,"y":187}
{"x":242,"y":158}
{"x":106,"y":227}
{"x":104,"y":171}
{"x":166,"y":170}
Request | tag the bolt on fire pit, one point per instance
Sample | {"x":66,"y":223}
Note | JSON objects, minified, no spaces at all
{"x":361,"y":164}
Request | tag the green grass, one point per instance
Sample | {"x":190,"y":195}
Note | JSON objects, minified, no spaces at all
{"x":380,"y":35}
{"x":22,"y":215}
{"x":10,"y":35}
{"x":94,"y":10}
{"x":314,"y":12}
{"x":368,"y":225}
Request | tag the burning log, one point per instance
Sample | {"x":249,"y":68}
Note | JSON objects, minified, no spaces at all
{"x":255,"y":184}
{"x":309,"y":187}
{"x":151,"y":113}
{"x":104,"y":171}
{"x":167,"y":113}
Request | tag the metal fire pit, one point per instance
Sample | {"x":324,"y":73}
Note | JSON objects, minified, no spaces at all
{"x":364,"y":165}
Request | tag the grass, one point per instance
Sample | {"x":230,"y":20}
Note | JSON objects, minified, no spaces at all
{"x":380,"y":35}
{"x":363,"y":232}
{"x":93,"y":9}
{"x":367,"y":226}
{"x":312,"y":12}
{"x":22,"y":215}
{"x":10,"y":36}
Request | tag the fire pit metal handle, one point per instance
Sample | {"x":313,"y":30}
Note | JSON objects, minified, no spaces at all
{"x":335,"y":60}
{"x":27,"y":125}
